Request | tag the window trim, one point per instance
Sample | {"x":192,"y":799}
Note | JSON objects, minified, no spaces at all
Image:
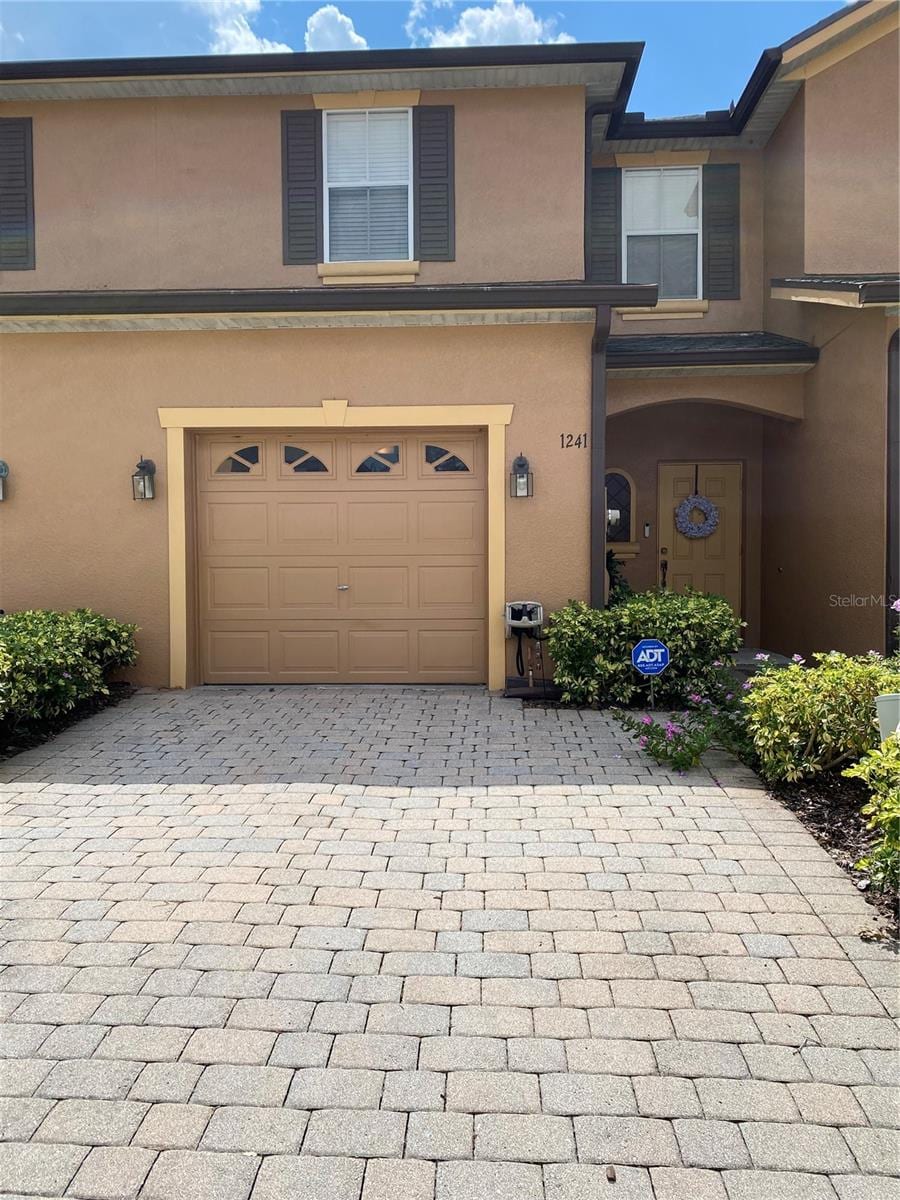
{"x":627,"y":172}
{"x":326,"y":186}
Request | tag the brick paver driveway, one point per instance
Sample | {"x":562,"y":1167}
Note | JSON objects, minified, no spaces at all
{"x":326,"y":944}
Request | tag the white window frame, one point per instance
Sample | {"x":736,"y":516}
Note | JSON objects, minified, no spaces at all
{"x":627,"y":172}
{"x":326,"y":186}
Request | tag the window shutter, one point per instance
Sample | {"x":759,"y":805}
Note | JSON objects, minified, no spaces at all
{"x":433,"y":175}
{"x":605,"y":240}
{"x":16,"y":195}
{"x":722,"y":231}
{"x":301,"y":170}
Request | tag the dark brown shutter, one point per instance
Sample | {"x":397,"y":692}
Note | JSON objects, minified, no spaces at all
{"x":605,"y":242}
{"x":301,"y":181}
{"x":722,"y":231}
{"x":433,"y":201}
{"x":16,"y":195}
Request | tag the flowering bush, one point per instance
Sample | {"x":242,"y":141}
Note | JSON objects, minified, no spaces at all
{"x":880,"y":771}
{"x":51,"y":661}
{"x":680,"y":741}
{"x":802,"y":720}
{"x":592,"y":648}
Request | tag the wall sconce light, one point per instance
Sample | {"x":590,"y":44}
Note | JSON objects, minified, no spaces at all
{"x":142,"y":485}
{"x":521,"y":480}
{"x":4,"y":472}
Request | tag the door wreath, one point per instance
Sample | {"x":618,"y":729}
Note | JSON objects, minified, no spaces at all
{"x":696,"y":529}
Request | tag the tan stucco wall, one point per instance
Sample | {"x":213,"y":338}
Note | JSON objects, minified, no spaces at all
{"x":637,"y":441}
{"x":824,"y":484}
{"x":723,"y":315}
{"x":852,"y":145}
{"x":187,"y":193}
{"x":76,"y":411}
{"x":784,"y":218}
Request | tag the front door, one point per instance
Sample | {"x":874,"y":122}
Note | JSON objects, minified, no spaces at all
{"x":707,"y":564}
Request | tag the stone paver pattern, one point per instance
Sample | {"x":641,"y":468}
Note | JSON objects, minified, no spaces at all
{"x":614,"y":985}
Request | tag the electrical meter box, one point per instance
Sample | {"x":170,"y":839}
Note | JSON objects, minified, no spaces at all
{"x":523,"y":614}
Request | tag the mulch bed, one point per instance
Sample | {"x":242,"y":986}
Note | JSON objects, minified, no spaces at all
{"x":830,"y":807}
{"x":14,"y":741}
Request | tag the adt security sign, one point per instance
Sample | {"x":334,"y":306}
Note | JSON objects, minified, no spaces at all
{"x":650,"y":657}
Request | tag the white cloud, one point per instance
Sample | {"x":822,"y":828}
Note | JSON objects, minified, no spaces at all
{"x":232,"y":32}
{"x":10,"y":34}
{"x":504,"y":23}
{"x":330,"y":29}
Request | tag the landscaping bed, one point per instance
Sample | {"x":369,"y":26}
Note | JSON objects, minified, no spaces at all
{"x":14,"y":740}
{"x":830,"y":807}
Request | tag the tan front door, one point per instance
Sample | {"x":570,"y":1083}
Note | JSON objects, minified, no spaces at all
{"x":334,"y":558}
{"x":709,"y":564}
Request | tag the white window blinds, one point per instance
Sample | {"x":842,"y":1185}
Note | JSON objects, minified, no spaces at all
{"x":661,"y":229}
{"x":368,"y":193}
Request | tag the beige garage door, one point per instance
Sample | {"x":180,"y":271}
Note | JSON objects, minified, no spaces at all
{"x":342,"y":558}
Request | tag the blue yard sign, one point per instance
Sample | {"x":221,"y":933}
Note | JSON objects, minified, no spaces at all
{"x":650,"y":656}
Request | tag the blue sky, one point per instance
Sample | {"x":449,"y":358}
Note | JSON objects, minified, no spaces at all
{"x":698,"y":54}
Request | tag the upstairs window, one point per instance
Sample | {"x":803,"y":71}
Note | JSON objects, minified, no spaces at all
{"x":661,"y":229}
{"x":368,"y":185}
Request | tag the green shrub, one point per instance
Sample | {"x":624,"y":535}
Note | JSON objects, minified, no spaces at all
{"x":880,"y":771}
{"x":5,"y":686}
{"x":56,"y":660}
{"x":592,"y":647}
{"x":680,"y":742}
{"x":803,"y":720}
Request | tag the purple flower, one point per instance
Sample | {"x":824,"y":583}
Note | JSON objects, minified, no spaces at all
{"x":896,"y":605}
{"x":66,"y":675}
{"x":729,"y":695}
{"x":642,"y":742}
{"x":718,"y":662}
{"x":797,"y":658}
{"x":646,"y":719}
{"x":695,"y":698}
{"x":761,"y":657}
{"x":746,"y":685}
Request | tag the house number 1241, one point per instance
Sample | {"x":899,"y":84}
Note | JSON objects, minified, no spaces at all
{"x":573,"y":441}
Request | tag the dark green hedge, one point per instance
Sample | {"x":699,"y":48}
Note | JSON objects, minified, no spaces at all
{"x":52,"y":661}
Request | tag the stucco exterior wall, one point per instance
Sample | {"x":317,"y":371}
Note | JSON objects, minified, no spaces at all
{"x":638,"y":440}
{"x":187,"y":193}
{"x":824,"y":480}
{"x":784,"y":219}
{"x":852,"y":146}
{"x":78,"y":410}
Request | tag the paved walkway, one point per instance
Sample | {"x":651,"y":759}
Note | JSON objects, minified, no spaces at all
{"x":620,"y":986}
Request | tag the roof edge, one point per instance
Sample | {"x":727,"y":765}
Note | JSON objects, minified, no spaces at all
{"x":411,"y":298}
{"x":320,"y":61}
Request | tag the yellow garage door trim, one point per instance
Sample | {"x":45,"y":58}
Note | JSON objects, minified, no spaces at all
{"x":179,"y":423}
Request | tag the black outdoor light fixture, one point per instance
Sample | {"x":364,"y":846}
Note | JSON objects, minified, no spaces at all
{"x":4,"y":473}
{"x":142,"y":485}
{"x":521,"y":480}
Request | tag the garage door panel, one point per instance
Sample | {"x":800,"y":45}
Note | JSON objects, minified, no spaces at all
{"x":443,"y":650}
{"x":231,"y":587}
{"x":235,"y":525}
{"x":308,"y":587}
{"x":307,"y":525}
{"x":237,"y":654}
{"x":337,"y":576}
{"x":310,"y":654}
{"x":378,"y":587}
{"x":451,"y":525}
{"x":373,"y":521}
{"x":374,"y":652}
{"x":447,"y":586}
